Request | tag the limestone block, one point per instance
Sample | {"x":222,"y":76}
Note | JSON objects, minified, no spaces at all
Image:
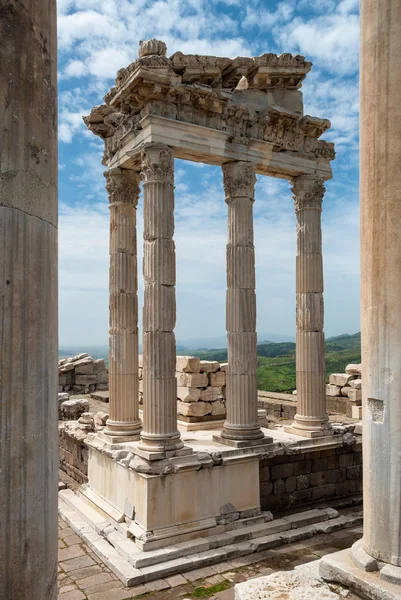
{"x":217,"y":379}
{"x":100,"y":419}
{"x":353,"y":369}
{"x":85,"y":379}
{"x":198,"y":380}
{"x":355,"y":395}
{"x":345,"y":390}
{"x":356,"y":412}
{"x":194,"y":409}
{"x":285,"y":584}
{"x":188,"y":364}
{"x":218,"y":408}
{"x":333,"y":390}
{"x":356,"y":384}
{"x":73,"y":409}
{"x":99,"y":366}
{"x":186,"y":394}
{"x":209,"y":366}
{"x":79,"y":357}
{"x":340,"y":379}
{"x":210,"y":394}
{"x":62,"y":397}
{"x":67,"y":366}
{"x":223,"y":367}
{"x":62,"y":379}
{"x":102,"y":378}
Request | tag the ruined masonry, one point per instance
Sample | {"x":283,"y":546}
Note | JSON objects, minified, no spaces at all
{"x":155,"y":484}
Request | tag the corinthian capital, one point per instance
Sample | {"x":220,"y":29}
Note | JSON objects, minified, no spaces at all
{"x":308,"y":192}
{"x":157,"y":164}
{"x":239,"y":180}
{"x":122,"y":185}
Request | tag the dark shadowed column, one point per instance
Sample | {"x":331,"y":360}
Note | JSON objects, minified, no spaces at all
{"x":28,"y":300}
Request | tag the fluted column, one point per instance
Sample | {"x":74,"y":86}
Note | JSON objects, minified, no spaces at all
{"x":123,"y":190}
{"x":242,"y":396}
{"x":160,"y":430}
{"x":28,"y":300}
{"x":311,"y":419}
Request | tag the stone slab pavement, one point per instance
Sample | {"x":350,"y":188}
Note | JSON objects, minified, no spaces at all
{"x":83,"y":576}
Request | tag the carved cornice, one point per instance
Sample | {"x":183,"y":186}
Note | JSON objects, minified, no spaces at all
{"x":157,"y":164}
{"x":308,"y":192}
{"x":239,"y":180}
{"x":122,"y":186}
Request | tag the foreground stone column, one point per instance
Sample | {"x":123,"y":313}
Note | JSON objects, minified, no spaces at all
{"x":380,"y":197}
{"x":242,"y":389}
{"x":311,"y":419}
{"x":123,"y":189}
{"x":160,"y":430}
{"x":28,"y":301}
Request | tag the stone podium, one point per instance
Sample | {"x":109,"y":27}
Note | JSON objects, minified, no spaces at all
{"x":245,"y":115}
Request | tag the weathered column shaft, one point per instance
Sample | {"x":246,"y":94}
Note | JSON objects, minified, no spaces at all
{"x":380,"y":197}
{"x":242,"y":394}
{"x":28,"y":301}
{"x":311,"y":418}
{"x":159,"y":381}
{"x":123,"y":189}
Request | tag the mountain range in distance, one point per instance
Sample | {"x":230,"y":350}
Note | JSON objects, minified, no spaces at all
{"x":201,"y":344}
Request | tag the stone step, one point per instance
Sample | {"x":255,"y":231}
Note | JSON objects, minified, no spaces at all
{"x":134,"y":566}
{"x":241,"y":523}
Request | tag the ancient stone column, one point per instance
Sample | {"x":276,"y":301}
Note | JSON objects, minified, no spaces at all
{"x":241,"y":388}
{"x":380,"y":197}
{"x":311,"y":419}
{"x":159,"y":382}
{"x":123,"y":189}
{"x":28,"y":301}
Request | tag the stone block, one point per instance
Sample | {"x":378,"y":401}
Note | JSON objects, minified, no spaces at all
{"x":303,"y":482}
{"x":323,"y":491}
{"x":85,"y":379}
{"x":71,"y":410}
{"x":356,"y":412}
{"x":340,"y":379}
{"x":80,"y":357}
{"x":217,"y":379}
{"x":218,"y":408}
{"x":209,"y":366}
{"x":282,"y":471}
{"x":210,"y":394}
{"x":194,"y":409}
{"x":345,"y":390}
{"x":62,"y":397}
{"x":290,"y":484}
{"x":68,"y":366}
{"x":223,"y":366}
{"x":355,"y":395}
{"x":187,"y":364}
{"x":102,"y":378}
{"x":192,"y":380}
{"x":99,"y":366}
{"x":333,"y":390}
{"x":356,"y":384}
{"x":353,"y":369}
{"x":186,"y":394}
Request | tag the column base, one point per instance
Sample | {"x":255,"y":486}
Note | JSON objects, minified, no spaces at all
{"x":121,"y":431}
{"x":341,"y":567}
{"x":307,"y":432}
{"x":160,"y":443}
{"x":153,"y":455}
{"x":243,"y":443}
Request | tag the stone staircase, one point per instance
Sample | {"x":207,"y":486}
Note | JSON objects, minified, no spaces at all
{"x":111,"y":542}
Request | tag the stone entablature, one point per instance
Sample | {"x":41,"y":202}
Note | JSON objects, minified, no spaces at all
{"x":248,"y":99}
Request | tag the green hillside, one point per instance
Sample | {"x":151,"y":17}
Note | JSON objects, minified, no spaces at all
{"x":276,"y":362}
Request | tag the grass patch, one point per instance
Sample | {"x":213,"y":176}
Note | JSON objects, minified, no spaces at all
{"x":207,"y":592}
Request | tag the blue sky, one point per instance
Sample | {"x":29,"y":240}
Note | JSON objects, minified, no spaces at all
{"x":96,"y":38}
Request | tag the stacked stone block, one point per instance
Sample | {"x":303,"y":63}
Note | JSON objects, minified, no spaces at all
{"x":201,"y":389}
{"x":349,"y":385}
{"x":82,"y":374}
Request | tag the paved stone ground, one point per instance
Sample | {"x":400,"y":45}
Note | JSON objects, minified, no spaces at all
{"x":82,"y":575}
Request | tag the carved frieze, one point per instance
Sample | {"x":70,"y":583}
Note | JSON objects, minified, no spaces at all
{"x":157,"y":164}
{"x":307,"y":192}
{"x":239,"y":180}
{"x":122,"y":185}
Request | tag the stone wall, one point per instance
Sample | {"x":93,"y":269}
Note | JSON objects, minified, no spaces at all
{"x":201,"y":389}
{"x":82,"y":374}
{"x":295,"y":480}
{"x":73,"y":455}
{"x":347,"y":385}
